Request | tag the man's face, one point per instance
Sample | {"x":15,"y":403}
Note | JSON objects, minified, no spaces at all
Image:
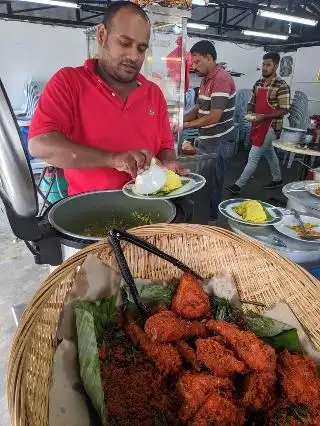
{"x":269,"y":68}
{"x":123,"y":46}
{"x":201,"y":64}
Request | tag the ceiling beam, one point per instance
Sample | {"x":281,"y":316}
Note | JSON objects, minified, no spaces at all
{"x":224,"y":38}
{"x":94,"y":15}
{"x":32,"y":9}
{"x":210,"y":14}
{"x":46,"y":21}
{"x":238,"y":15}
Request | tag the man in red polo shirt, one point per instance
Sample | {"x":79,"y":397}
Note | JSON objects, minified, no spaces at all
{"x":103,"y":122}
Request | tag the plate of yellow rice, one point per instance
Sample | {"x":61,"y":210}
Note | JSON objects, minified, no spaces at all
{"x":175,"y":186}
{"x":251,"y":212}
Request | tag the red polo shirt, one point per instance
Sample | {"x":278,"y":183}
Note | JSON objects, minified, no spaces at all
{"x":79,"y":104}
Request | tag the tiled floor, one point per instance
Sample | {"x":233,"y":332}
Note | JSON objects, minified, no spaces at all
{"x":20,"y":277}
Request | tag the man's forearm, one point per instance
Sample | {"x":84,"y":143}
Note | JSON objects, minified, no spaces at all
{"x":192,"y":115}
{"x":166,"y":155}
{"x":59,"y":151}
{"x":279,"y":113}
{"x":207,"y":120}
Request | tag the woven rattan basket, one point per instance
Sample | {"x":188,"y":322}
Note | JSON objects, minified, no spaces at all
{"x":261,"y":275}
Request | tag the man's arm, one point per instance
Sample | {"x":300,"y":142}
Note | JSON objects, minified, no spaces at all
{"x":56,"y":149}
{"x":219,"y":99}
{"x":192,"y":115}
{"x":212,"y":118}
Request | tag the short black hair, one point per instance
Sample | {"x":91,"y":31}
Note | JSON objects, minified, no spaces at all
{"x":114,"y":8}
{"x":274,"y":56}
{"x":204,"y":47}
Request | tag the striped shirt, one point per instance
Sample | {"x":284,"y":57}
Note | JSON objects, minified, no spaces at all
{"x":218,"y":91}
{"x":278,"y":97}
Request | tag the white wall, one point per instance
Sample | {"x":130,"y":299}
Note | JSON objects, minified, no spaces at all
{"x":305,"y":76}
{"x":240,"y":58}
{"x":38,"y":51}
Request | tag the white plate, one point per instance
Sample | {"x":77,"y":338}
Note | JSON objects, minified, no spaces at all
{"x":226,"y":208}
{"x":193,"y":182}
{"x":311,"y":187}
{"x":290,"y":220}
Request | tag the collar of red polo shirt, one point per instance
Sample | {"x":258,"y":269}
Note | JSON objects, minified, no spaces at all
{"x":79,"y":104}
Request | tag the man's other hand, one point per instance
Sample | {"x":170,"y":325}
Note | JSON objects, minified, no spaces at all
{"x":176,"y":167}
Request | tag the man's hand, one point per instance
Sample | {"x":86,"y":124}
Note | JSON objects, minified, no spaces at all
{"x":175,"y":166}
{"x":175,"y":129}
{"x":259,"y":118}
{"x":132,"y":162}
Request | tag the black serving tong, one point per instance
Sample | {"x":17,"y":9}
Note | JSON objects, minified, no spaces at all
{"x":114,"y":237}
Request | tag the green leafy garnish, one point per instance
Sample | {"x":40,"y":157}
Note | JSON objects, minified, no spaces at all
{"x":153,"y":294}
{"x":263,"y":326}
{"x":275,"y":333}
{"x":103,"y":313}
{"x":296,"y":412}
{"x":286,"y":340}
{"x":222,"y":309}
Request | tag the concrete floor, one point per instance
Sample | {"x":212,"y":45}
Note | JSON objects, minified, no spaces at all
{"x":20,"y":277}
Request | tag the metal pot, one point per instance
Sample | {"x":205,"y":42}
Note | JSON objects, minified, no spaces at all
{"x":72,"y":215}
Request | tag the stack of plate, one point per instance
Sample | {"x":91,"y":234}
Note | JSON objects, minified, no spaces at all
{"x":292,"y":135}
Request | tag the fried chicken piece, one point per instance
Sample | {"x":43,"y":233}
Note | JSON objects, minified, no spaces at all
{"x":164,"y":355}
{"x":259,"y":391}
{"x":299,"y":379}
{"x":314,"y":417}
{"x":247,"y":346}
{"x":167,"y":327}
{"x":193,"y":389}
{"x":283,"y":413}
{"x":190,"y":300}
{"x":220,"y":360}
{"x":188,"y":354}
{"x":218,"y":411}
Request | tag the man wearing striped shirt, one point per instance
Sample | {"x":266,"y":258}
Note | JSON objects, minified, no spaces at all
{"x":269,"y":103}
{"x":213,"y":115}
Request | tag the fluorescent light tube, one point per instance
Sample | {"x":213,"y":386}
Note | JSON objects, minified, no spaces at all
{"x":54,"y":3}
{"x":197,"y":26}
{"x":199,"y":2}
{"x":284,"y":17}
{"x":266,"y":35}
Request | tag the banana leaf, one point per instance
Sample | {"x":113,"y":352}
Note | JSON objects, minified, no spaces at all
{"x":264,"y":326}
{"x":275,"y":333}
{"x":151,"y":294}
{"x":91,"y":321}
